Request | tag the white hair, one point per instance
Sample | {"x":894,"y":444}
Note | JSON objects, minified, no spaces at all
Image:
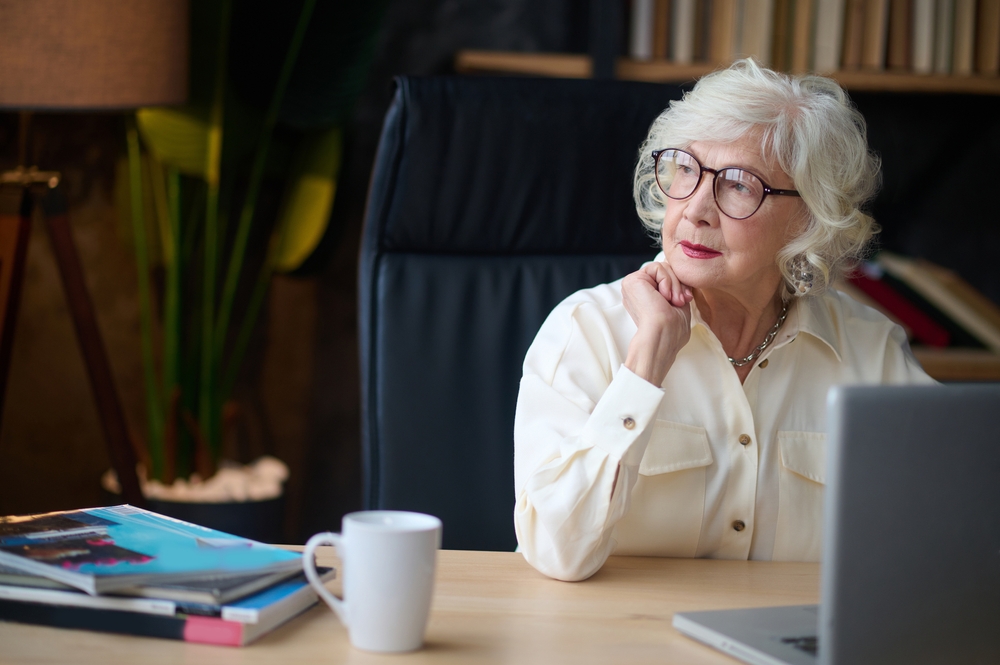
{"x":816,"y":135}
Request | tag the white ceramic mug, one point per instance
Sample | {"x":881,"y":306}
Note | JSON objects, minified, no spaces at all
{"x":388,"y":559}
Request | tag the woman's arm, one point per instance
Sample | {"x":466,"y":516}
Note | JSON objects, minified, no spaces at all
{"x":566,"y":463}
{"x":583,"y":420}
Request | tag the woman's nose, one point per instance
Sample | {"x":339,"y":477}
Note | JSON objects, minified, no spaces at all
{"x":701,"y":207}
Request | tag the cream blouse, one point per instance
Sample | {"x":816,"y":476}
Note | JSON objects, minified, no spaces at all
{"x":706,"y":466}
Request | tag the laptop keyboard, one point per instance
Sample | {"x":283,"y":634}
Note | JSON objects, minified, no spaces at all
{"x":807,"y":644}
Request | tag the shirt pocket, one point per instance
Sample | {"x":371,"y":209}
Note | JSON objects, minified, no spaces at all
{"x":799,"y":532}
{"x":668,"y":500}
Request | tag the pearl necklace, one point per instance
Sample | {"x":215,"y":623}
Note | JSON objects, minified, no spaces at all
{"x":767,"y":340}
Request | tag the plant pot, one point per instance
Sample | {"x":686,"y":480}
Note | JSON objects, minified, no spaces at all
{"x":256,"y":520}
{"x":260,"y":519}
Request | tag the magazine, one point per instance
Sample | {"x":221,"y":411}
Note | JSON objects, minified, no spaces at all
{"x":208,"y":591}
{"x":245,"y":610}
{"x":235,"y":625}
{"x":100,"y":550}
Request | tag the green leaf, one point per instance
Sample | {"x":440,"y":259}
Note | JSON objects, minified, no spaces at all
{"x":177,"y":137}
{"x":309,"y":200}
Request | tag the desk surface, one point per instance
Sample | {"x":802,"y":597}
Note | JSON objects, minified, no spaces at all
{"x":489,"y":607}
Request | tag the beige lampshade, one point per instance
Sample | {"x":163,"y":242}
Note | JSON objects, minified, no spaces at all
{"x":93,"y":54}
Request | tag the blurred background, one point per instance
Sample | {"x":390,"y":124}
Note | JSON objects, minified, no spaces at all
{"x":297,"y":390}
{"x":299,"y":387}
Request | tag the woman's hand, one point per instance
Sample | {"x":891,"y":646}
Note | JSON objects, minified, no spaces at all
{"x":659,"y":304}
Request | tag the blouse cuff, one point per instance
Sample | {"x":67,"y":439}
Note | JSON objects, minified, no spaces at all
{"x":623,"y":417}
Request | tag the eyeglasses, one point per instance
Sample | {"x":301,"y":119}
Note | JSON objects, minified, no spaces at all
{"x":738,"y":192}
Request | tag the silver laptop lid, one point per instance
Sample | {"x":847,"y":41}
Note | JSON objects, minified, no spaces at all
{"x":911,"y":558}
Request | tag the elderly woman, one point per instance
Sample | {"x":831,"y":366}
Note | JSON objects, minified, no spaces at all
{"x":681,"y":410}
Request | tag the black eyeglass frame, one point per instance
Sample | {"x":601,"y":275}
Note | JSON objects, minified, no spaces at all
{"x":715,"y":173}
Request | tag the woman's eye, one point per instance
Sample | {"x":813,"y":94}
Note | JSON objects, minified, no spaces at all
{"x":740,"y":185}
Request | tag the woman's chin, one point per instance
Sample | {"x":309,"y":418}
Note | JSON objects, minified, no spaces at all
{"x":696,"y":279}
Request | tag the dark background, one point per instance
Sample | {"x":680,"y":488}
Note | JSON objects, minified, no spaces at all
{"x":418,"y":38}
{"x":301,"y":386}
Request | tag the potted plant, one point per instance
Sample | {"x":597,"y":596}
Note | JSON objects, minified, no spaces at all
{"x":193,"y":208}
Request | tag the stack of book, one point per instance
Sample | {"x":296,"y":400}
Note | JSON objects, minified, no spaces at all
{"x":948,"y":37}
{"x":935,"y":306}
{"x":126,"y":570}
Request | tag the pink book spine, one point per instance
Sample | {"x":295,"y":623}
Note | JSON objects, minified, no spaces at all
{"x":212,"y":630}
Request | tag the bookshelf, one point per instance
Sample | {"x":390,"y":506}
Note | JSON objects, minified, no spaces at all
{"x":564,"y":65}
{"x":945,"y":46}
{"x":959,"y":364}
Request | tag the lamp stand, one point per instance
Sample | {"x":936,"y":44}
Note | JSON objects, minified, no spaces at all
{"x":19,"y":190}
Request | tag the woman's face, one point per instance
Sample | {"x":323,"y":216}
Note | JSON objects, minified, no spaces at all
{"x":708,"y":250}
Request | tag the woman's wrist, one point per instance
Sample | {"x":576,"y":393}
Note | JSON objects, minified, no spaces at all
{"x":650,"y":355}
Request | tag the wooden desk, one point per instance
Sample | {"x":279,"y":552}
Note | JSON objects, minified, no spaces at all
{"x":489,"y":607}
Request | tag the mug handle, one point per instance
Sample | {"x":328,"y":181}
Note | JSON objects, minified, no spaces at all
{"x":309,"y":567}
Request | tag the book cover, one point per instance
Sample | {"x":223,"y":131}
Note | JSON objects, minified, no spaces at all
{"x":739,"y":20}
{"x":899,"y":47}
{"x":829,"y":35}
{"x":922,"y":44}
{"x":925,"y":330}
{"x":964,"y":292}
{"x":854,"y":34}
{"x":803,"y":18}
{"x":944,"y":34}
{"x":756,"y":30}
{"x":965,"y":35}
{"x":959,"y":336}
{"x":640,"y":35}
{"x":661,"y":29}
{"x":703,"y":30}
{"x":876,"y":32}
{"x":781,"y":44}
{"x":77,"y":598}
{"x":210,"y":591}
{"x":857,"y":294}
{"x":683,"y":31}
{"x":272,"y":603}
{"x":978,"y":320}
{"x":988,"y":38}
{"x":103,"y":549}
{"x":254,"y":608}
{"x":252,"y":618}
{"x":722,"y":36}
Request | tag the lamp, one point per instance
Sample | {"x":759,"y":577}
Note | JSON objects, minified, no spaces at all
{"x":89,"y":55}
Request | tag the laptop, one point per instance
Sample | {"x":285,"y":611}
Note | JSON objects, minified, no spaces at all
{"x":911,"y":551}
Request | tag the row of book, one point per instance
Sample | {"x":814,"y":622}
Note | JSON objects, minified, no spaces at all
{"x":934,"y":305}
{"x":948,"y":37}
{"x":125,"y":570}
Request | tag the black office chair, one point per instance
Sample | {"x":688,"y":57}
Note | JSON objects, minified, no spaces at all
{"x":491,"y":200}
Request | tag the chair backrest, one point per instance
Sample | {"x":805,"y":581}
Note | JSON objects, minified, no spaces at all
{"x":491,"y":200}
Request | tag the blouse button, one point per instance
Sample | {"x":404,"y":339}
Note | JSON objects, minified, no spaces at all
{"x":739,"y":525}
{"x":745,"y":439}
{"x":763,"y":364}
{"x":629,"y":423}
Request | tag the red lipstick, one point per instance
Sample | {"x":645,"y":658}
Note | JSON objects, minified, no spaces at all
{"x":696,"y":251}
